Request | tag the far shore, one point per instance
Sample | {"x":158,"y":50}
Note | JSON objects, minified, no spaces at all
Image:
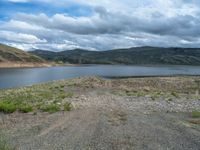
{"x":31,"y":65}
{"x":54,"y":64}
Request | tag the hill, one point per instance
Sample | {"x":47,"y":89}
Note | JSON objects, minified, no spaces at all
{"x":13,"y":57}
{"x":132,"y":56}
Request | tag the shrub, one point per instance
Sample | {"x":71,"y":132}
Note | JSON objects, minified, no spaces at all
{"x":51,"y":108}
{"x":196,"y":114}
{"x":175,"y":94}
{"x":25,"y":109}
{"x":7,"y":107}
{"x":65,"y":95}
{"x":67,"y":106}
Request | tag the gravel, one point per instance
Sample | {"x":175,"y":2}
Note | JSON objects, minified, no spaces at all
{"x":101,"y":120}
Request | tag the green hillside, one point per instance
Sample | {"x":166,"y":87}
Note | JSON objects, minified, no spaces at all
{"x":11,"y":54}
{"x":132,"y":56}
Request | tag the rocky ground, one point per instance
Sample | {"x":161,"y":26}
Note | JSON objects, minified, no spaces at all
{"x":119,"y":114}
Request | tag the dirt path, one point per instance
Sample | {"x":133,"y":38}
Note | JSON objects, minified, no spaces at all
{"x":93,"y":129}
{"x":104,"y":128}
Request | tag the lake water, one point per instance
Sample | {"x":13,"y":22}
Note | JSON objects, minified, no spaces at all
{"x":27,"y":76}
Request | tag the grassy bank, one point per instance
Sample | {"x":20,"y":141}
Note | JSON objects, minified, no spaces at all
{"x":50,"y":97}
{"x":54,"y":96}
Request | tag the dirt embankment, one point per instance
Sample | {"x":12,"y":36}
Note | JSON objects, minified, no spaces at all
{"x":31,"y":65}
{"x":23,"y":65}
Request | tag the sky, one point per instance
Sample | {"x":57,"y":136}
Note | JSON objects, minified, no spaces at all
{"x":58,"y":25}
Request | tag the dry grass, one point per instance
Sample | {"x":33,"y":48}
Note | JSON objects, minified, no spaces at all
{"x":50,"y":97}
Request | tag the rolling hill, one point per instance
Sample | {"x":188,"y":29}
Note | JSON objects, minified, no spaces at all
{"x":132,"y":56}
{"x":13,"y":57}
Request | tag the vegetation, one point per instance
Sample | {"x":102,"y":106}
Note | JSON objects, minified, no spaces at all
{"x":25,"y":108}
{"x":55,"y":96}
{"x":51,"y":108}
{"x":137,"y":56}
{"x":50,"y":97}
{"x":11,"y":54}
{"x":7,"y":107}
{"x":169,"y":96}
{"x":67,"y":106}
{"x":196,"y":114}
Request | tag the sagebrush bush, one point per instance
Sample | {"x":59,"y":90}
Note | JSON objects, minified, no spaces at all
{"x":67,"y":106}
{"x":51,"y":108}
{"x":25,"y":108}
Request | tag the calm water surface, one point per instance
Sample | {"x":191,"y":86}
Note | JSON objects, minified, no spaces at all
{"x":27,"y":76}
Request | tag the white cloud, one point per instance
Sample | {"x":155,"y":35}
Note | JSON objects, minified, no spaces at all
{"x":20,"y":37}
{"x":19,"y":25}
{"x":112,"y":24}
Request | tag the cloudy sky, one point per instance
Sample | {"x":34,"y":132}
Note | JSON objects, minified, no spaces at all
{"x":99,"y":24}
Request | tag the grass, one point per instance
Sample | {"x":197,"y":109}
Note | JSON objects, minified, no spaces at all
{"x":195,"y":118}
{"x":152,"y":94}
{"x":38,"y":97}
{"x":67,"y":106}
{"x":51,"y":108}
{"x":10,"y":107}
{"x":7,"y":107}
{"x":63,"y":95}
{"x":25,"y":108}
{"x":195,"y":114}
{"x":175,"y":94}
{"x":43,"y":97}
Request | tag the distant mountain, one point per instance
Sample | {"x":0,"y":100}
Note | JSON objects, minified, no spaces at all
{"x":13,"y":57}
{"x":132,"y":56}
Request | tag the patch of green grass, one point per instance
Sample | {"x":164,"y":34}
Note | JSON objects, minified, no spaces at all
{"x":62,"y":86}
{"x":65,"y":95}
{"x":10,"y":107}
{"x":7,"y":107}
{"x":27,"y":99}
{"x":25,"y":108}
{"x":67,"y":106}
{"x":51,"y":108}
{"x":175,"y":94}
{"x":195,"y":114}
{"x":132,"y":93}
{"x":155,"y":95}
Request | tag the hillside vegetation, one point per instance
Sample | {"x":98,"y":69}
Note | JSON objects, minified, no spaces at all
{"x":133,"y":56}
{"x":11,"y":54}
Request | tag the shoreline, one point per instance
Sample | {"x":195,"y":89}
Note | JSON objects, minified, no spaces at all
{"x":8,"y":65}
{"x":23,"y":65}
{"x":103,"y":78}
{"x":54,"y":64}
{"x":150,"y":76}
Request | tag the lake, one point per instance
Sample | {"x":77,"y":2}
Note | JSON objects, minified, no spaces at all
{"x":13,"y":77}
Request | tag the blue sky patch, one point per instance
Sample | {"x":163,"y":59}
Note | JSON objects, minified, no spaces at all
{"x":7,"y":9}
